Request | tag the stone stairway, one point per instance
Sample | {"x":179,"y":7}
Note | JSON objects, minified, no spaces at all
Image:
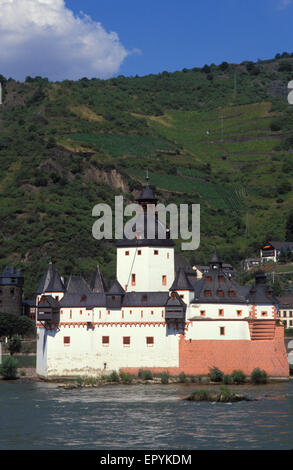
{"x":262,"y":330}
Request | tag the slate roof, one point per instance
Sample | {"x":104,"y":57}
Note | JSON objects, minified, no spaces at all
{"x":77,"y":285}
{"x":48,"y":301}
{"x":145,"y":299}
{"x":51,"y":281}
{"x":217,"y":280}
{"x":86,"y":300}
{"x":161,"y":234}
{"x":286,"y":300}
{"x":181,"y":281}
{"x":97,"y":283}
{"x":259,"y":293}
{"x":116,"y":289}
{"x":147,"y":194}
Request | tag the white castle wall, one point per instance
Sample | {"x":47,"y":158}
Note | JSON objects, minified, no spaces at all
{"x":86,"y":355}
{"x":211,"y":330}
{"x":148,"y":267}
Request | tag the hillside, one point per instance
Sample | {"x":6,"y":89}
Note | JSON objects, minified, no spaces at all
{"x":221,"y":136}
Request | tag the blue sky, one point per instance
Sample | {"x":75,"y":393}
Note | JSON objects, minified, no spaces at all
{"x":173,"y":34}
{"x":52,"y":38}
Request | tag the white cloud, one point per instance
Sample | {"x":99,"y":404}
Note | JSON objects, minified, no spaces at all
{"x":44,"y":37}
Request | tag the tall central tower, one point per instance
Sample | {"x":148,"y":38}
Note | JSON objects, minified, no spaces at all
{"x":146,"y":264}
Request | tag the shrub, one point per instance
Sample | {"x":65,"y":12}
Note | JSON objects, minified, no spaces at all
{"x":125,"y":377}
{"x":238,"y":377}
{"x":259,"y":376}
{"x":164,"y":377}
{"x":145,"y":374}
{"x":216,"y":375}
{"x":113,"y":377}
{"x":182,"y":377}
{"x":8,"y":368}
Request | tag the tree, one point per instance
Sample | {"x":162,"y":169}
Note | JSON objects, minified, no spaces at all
{"x":11,"y":324}
{"x":14,"y":344}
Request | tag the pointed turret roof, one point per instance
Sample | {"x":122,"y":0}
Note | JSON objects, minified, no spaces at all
{"x":215,"y":261}
{"x":181,"y":281}
{"x":51,"y":281}
{"x":147,"y":194}
{"x":97,"y":282}
{"x":77,"y":285}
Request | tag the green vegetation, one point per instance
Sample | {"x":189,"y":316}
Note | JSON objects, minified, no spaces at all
{"x":258,"y":376}
{"x":8,"y":368}
{"x":14,"y":344}
{"x":164,"y":376}
{"x":216,"y":375}
{"x":238,"y":377}
{"x":222,"y":396}
{"x":13,"y":326}
{"x":145,"y":374}
{"x":65,"y":147}
{"x":125,"y":377}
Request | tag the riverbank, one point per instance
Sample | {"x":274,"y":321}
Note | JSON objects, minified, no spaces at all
{"x":70,"y":383}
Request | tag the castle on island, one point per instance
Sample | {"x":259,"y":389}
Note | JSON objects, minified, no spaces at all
{"x":157,"y":315}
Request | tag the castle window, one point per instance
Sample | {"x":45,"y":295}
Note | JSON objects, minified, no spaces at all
{"x":220,"y":293}
{"x":152,"y":312}
{"x":126,"y":341}
{"x":11,"y":291}
{"x":290,"y":322}
{"x":290,"y":313}
{"x":284,"y":314}
{"x":239,"y":313}
{"x":80,"y":312}
{"x":231,"y":293}
{"x":221,"y":278}
{"x":208,"y":278}
{"x":66,"y":340}
{"x":168,"y":255}
{"x":207,"y":293}
{"x":105,"y":340}
{"x":182,"y":296}
{"x":113,"y":297}
{"x":222,"y":331}
{"x":202,"y":313}
{"x":150,"y":341}
{"x":133,"y":280}
{"x":164,"y":280}
{"x":144,"y":297}
{"x":83,"y":298}
{"x":270,"y":293}
{"x":141,"y":314}
{"x":126,"y":253}
{"x":264,"y":314}
{"x":221,"y":312}
{"x":70,"y":315}
{"x":139,"y":252}
{"x":57,"y":297}
{"x":156,"y":252}
{"x":122,"y":313}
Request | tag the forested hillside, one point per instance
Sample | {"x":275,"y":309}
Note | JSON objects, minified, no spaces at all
{"x":221,"y":136}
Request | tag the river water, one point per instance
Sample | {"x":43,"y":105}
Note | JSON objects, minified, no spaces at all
{"x":36,"y":415}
